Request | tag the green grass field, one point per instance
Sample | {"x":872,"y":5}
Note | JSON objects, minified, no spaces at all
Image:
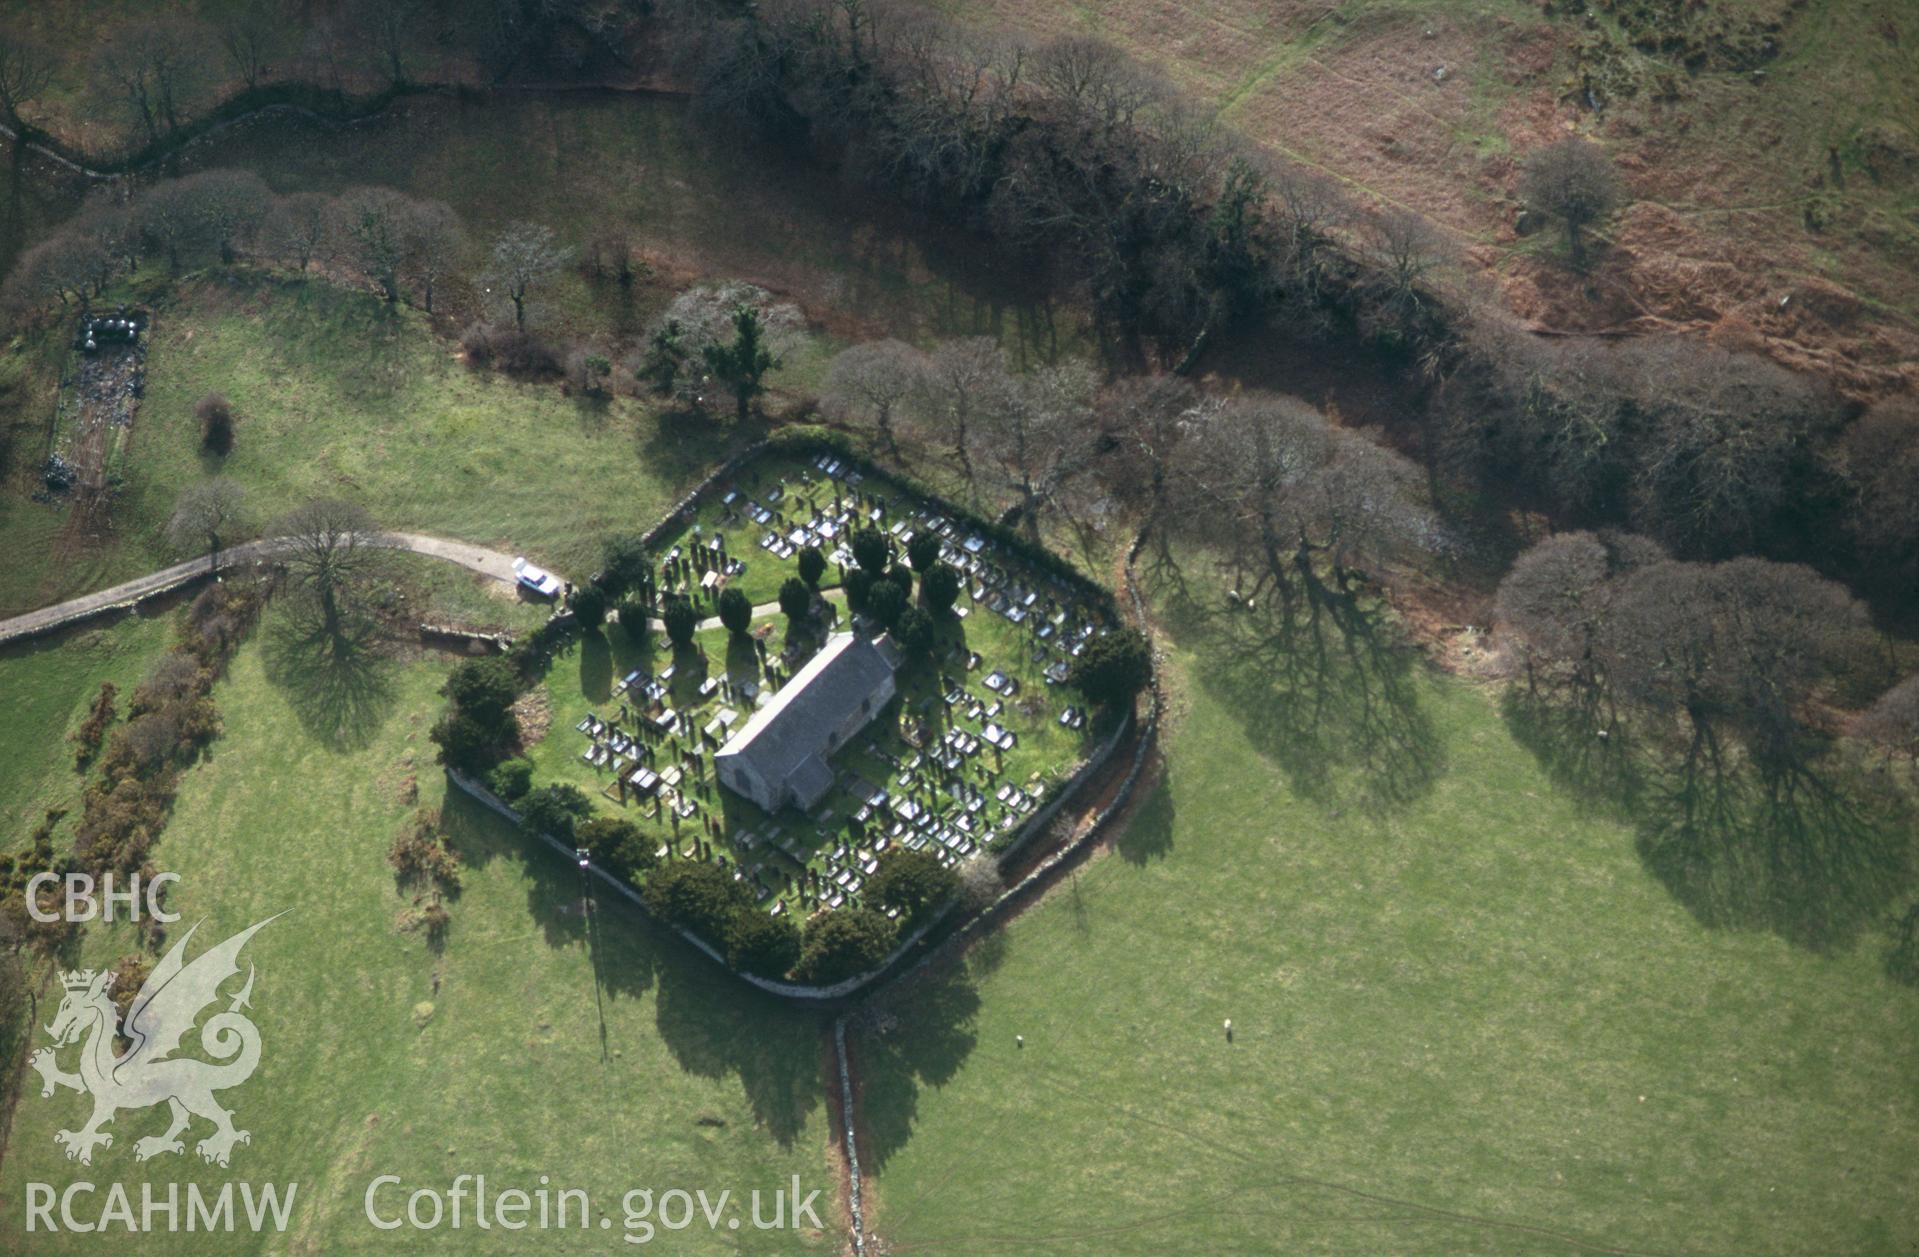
{"x":1466,"y":1019}
{"x":50,"y":684}
{"x":607,"y":1057}
{"x":337,"y":395}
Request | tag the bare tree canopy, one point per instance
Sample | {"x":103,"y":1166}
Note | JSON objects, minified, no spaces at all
{"x":1572,"y":180}
{"x":373,"y":226}
{"x":206,"y":516}
{"x":299,"y":229}
{"x":251,"y":35}
{"x":869,"y":383}
{"x":1557,"y":597}
{"x":329,"y":548}
{"x":525,"y":256}
{"x":1878,"y":457}
{"x":1035,"y":434}
{"x":435,"y":245}
{"x":157,"y":70}
{"x":964,"y":378}
{"x":231,"y":203}
{"x":1893,"y":721}
{"x":1731,"y":647}
{"x":1271,"y":483}
{"x":25,"y":72}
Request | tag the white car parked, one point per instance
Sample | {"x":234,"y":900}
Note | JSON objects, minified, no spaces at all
{"x":537,"y":579}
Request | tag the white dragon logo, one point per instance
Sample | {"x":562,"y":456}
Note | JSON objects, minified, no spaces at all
{"x":164,"y":1010}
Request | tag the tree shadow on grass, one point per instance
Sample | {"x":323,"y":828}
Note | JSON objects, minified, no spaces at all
{"x":714,"y":1025}
{"x":682,"y":445}
{"x":1582,"y":750}
{"x":1817,"y":859}
{"x":717,"y":1026}
{"x":1325,"y":690}
{"x":1148,"y":833}
{"x":742,"y":658}
{"x":596,"y":666}
{"x":338,"y":683}
{"x":1816,"y":855}
{"x":906,"y":1042}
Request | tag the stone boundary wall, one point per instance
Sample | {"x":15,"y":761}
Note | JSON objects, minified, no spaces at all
{"x":1014,"y":896}
{"x":677,"y":517}
{"x":795,"y":991}
{"x":852,"y":1145}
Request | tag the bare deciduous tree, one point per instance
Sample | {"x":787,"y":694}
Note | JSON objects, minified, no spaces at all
{"x":206,"y":516}
{"x":435,"y":244}
{"x":1403,"y":248}
{"x":1879,"y":458}
{"x":171,"y":219}
{"x":1720,"y":435}
{"x":231,"y":203}
{"x":299,"y":228}
{"x":1145,"y":418}
{"x":1037,"y":437}
{"x":1572,"y":180}
{"x":329,"y":548}
{"x":25,"y":72}
{"x":250,"y":35}
{"x":373,"y":225}
{"x":61,"y":267}
{"x":156,"y":69}
{"x":1893,"y":721}
{"x":524,"y":257}
{"x":963,"y":379}
{"x":1731,"y":647}
{"x":1268,"y":483}
{"x":869,"y":383}
{"x":1556,"y":599}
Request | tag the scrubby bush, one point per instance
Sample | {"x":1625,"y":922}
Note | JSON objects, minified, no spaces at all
{"x":509,"y":349}
{"x":696,"y":896}
{"x":760,"y":943}
{"x":512,"y":778}
{"x":1113,"y":667}
{"x":625,"y":565}
{"x":87,"y":738}
{"x":555,"y":811}
{"x":420,"y":853}
{"x":609,"y":841}
{"x":842,"y":944}
{"x":215,"y":414}
{"x":478,"y":729}
{"x":914,"y":882}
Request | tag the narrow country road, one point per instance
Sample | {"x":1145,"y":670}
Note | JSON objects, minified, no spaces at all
{"x":494,"y":564}
{"x":490,"y":563}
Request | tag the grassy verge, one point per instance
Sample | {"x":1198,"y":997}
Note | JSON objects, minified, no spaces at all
{"x":534,"y":1041}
